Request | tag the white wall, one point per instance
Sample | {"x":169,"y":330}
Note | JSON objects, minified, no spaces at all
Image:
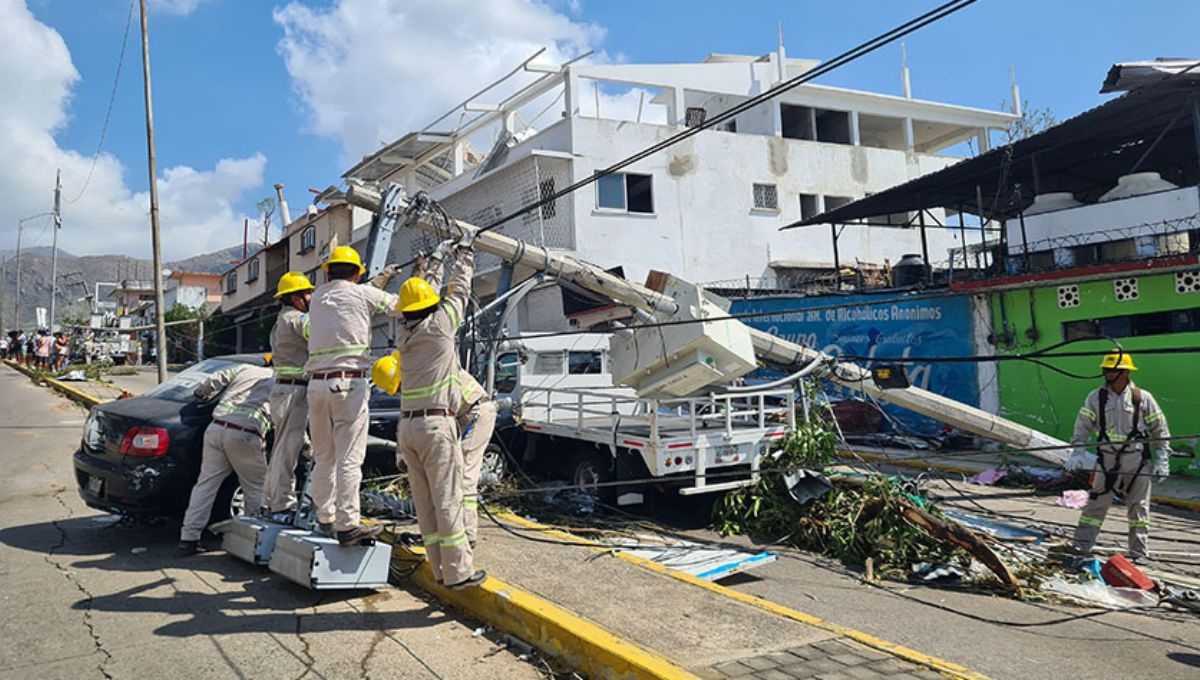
{"x":1089,"y":222}
{"x":705,"y":227}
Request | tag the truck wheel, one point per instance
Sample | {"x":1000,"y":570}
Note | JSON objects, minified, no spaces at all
{"x":495,"y":466}
{"x":590,"y":472}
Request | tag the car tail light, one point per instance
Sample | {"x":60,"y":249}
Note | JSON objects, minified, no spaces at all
{"x":145,"y":442}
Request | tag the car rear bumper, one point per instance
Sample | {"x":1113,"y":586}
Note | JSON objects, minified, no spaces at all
{"x":125,"y":490}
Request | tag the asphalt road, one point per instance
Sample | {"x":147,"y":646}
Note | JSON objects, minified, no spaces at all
{"x":995,"y":635}
{"x":84,"y":597}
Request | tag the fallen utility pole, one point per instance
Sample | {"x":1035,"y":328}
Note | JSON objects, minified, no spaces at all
{"x":776,"y":351}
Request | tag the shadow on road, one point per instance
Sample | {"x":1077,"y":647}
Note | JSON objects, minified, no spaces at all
{"x":216,"y":594}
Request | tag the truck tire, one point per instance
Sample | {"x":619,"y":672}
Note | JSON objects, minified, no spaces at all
{"x":591,"y":472}
{"x":495,"y":466}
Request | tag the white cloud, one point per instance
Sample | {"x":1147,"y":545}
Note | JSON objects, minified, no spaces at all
{"x":197,"y":206}
{"x":369,"y":71}
{"x":176,"y":7}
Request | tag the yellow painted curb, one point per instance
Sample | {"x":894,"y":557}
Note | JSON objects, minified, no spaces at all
{"x":576,"y":642}
{"x":68,"y":391}
{"x":940,"y":665}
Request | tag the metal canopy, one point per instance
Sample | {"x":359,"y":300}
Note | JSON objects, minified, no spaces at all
{"x":1149,"y":129}
{"x":401,"y":153}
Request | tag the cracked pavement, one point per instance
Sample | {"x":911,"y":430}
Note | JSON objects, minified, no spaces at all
{"x":85,"y":596}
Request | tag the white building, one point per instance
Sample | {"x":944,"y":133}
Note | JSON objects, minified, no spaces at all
{"x":708,"y":209}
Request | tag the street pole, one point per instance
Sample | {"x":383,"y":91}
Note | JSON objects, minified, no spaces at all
{"x":54,"y":248}
{"x":17,"y":291}
{"x":160,"y":341}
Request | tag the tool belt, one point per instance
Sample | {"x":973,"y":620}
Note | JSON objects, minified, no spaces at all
{"x":427,"y":412}
{"x":239,"y":428}
{"x":334,"y":375}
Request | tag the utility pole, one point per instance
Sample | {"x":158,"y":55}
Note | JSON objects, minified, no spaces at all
{"x":54,"y":248}
{"x":17,"y":290}
{"x":160,"y":335}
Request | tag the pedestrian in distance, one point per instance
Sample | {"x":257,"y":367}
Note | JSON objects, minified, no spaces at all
{"x":1133,"y":442}
{"x":428,"y":431}
{"x":289,"y":396}
{"x":339,"y":356}
{"x":235,"y":442}
{"x":44,"y":348}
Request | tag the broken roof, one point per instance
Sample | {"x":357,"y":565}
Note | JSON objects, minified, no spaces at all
{"x":1148,"y":129}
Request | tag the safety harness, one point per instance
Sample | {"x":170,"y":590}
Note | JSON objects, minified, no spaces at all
{"x":1111,"y":474}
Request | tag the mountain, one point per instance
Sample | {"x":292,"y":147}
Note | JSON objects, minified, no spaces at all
{"x":77,"y":276}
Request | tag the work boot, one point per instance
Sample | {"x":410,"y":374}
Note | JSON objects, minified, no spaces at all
{"x":325,"y":528}
{"x":189,"y":548}
{"x":359,"y":534}
{"x":475,"y":579}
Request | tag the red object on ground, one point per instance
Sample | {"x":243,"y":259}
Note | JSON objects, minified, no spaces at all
{"x":1122,"y":573}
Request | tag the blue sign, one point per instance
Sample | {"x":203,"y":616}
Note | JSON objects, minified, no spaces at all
{"x":862,"y":328}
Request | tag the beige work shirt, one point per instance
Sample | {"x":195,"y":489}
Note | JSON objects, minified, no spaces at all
{"x":340,"y":325}
{"x":244,"y":391}
{"x":1118,"y":419}
{"x":427,"y":347}
{"x":289,"y":343}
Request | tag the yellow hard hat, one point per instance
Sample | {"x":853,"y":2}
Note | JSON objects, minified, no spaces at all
{"x":386,"y":373}
{"x":345,"y":255}
{"x":267,"y":359}
{"x":416,"y":294}
{"x":293,"y":282}
{"x":1119,"y":360}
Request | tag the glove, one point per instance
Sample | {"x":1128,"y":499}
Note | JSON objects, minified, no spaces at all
{"x":382,"y":279}
{"x":1162,"y":470}
{"x":468,"y":239}
{"x":1081,"y":459}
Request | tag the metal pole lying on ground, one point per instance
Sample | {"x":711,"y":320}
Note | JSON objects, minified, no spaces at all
{"x":777,"y":351}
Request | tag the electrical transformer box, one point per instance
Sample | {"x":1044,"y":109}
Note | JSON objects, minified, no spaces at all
{"x":681,"y":358}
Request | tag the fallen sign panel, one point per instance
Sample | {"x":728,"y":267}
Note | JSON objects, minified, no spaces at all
{"x":709,"y":562}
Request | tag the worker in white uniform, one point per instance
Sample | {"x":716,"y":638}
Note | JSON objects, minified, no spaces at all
{"x":235,"y":441}
{"x":289,"y":396}
{"x":476,"y":417}
{"x":427,"y":434}
{"x":475,"y":413}
{"x":339,"y":356}
{"x":1133,"y":440}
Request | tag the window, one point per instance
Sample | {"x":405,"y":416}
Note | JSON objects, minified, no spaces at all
{"x":550,"y":363}
{"x":809,"y":206}
{"x":231,"y":281}
{"x":549,"y":210}
{"x":625,"y":191}
{"x":584,"y":363}
{"x":820,"y":125}
{"x":766,"y":197}
{"x":1135,"y":325}
{"x":508,"y":366}
{"x":728,"y":126}
{"x":835,"y":202}
{"x":308,"y":239}
{"x":252,"y":270}
{"x":694,"y":117}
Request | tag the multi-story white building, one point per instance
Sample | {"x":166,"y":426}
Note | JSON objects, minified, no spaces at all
{"x":708,"y":209}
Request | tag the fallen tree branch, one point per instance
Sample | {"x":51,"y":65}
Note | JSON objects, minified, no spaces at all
{"x":948,"y":530}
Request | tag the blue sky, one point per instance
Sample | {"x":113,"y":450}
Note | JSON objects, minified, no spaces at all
{"x":250,"y":92}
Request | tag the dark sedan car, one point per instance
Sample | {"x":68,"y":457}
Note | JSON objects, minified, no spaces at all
{"x":141,"y":456}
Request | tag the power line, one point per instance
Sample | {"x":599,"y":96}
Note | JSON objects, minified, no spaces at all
{"x":112,"y":98}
